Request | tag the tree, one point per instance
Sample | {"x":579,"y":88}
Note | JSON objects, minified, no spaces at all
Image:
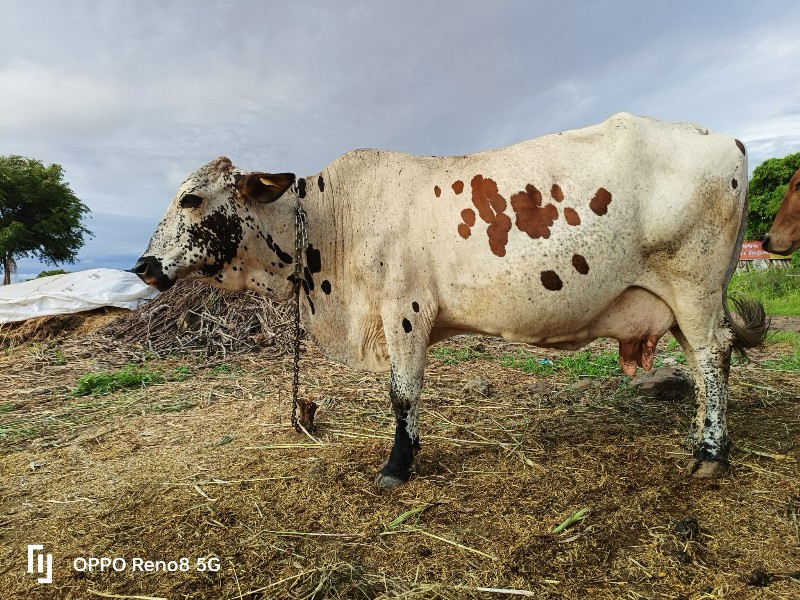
{"x":767,"y":187}
{"x":39,"y":215}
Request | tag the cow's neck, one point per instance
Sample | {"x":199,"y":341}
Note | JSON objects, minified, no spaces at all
{"x":265,"y":262}
{"x":273,"y":270}
{"x":318,"y":218}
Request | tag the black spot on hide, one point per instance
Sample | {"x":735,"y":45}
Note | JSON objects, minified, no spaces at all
{"x":283,"y":256}
{"x":217,"y":237}
{"x":326,"y":287}
{"x":313,"y":259}
{"x":551,"y":281}
{"x":407,"y":326}
{"x":321,"y":183}
{"x":415,"y":306}
{"x":301,"y":187}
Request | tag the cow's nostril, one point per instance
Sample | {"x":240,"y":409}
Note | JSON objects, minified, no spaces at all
{"x":142,"y":266}
{"x":765,"y":242}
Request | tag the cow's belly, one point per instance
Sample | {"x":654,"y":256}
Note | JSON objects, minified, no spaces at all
{"x":634,"y":316}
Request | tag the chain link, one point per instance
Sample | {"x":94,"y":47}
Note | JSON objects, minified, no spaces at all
{"x":299,"y":245}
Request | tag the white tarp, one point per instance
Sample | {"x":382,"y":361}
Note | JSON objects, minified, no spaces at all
{"x":72,"y":292}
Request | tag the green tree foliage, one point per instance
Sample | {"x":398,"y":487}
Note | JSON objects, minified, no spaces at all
{"x":767,"y":187}
{"x":51,"y":273}
{"x":39,"y":215}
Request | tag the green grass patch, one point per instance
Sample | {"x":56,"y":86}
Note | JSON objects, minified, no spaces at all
{"x":6,"y":407}
{"x":529,"y":363}
{"x":789,"y":363}
{"x":16,"y":429}
{"x":574,"y":366}
{"x":788,"y":360}
{"x":130,"y":376}
{"x":453,"y":356}
{"x":788,"y":338}
{"x":180,"y":373}
{"x":169,"y":407}
{"x":777,"y":289}
{"x":222,"y":369}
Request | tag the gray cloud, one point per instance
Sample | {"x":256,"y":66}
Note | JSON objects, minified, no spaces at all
{"x":132,"y":97}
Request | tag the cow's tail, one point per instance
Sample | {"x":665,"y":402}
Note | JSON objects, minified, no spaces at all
{"x":752,"y":326}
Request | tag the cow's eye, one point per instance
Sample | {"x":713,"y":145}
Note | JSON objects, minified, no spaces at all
{"x":191,"y":201}
{"x":797,"y":187}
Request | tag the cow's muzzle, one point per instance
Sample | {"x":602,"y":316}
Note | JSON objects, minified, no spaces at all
{"x":148,"y":268}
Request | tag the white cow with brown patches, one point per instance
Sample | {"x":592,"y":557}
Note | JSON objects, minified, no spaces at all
{"x":627,"y":229}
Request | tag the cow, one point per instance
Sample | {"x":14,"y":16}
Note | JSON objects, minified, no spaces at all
{"x":784,"y":235}
{"x":627,"y":229}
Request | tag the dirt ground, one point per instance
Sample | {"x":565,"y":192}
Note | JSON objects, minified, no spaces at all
{"x":203,"y":470}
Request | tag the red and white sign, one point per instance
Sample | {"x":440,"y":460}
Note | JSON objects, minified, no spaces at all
{"x":754,"y":251}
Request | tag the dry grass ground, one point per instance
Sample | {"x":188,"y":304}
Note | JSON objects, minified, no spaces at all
{"x":205,"y":465}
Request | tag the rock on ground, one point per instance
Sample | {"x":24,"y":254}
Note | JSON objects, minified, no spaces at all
{"x":476,"y":386}
{"x":664,"y":383}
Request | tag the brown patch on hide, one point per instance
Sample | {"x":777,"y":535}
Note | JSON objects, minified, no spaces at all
{"x":556,"y":193}
{"x":458,"y":187}
{"x":599,"y":204}
{"x":469,"y":216}
{"x":533,"y":218}
{"x":491,"y":209}
{"x":572,"y":217}
{"x":437,"y":190}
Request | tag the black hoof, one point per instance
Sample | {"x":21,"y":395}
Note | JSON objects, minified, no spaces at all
{"x":388,"y":479}
{"x":387,"y":482}
{"x":704,"y":465}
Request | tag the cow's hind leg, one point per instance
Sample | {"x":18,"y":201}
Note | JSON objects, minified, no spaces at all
{"x":407,"y":334}
{"x":708,"y":351}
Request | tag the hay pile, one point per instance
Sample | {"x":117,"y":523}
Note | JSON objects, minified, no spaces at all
{"x":54,"y":327}
{"x":190,"y":317}
{"x":194,"y":317}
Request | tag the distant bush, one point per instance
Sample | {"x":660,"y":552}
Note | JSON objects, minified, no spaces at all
{"x":51,"y":272}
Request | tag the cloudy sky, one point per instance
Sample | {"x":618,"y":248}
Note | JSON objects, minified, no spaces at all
{"x":131,"y":97}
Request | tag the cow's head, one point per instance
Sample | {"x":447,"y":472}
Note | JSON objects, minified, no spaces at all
{"x":213,"y":230}
{"x":784,"y":235}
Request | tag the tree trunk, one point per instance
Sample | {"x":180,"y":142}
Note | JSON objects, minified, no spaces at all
{"x":8,"y":266}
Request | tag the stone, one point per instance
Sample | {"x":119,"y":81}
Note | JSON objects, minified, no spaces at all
{"x":664,"y":383}
{"x":583,"y":384}
{"x":476,"y":386}
{"x":538,"y":388}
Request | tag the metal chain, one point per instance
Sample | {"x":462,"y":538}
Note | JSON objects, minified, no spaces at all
{"x":299,"y":245}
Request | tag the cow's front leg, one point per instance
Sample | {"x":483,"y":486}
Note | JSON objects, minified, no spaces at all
{"x":397,"y":469}
{"x":407,"y":335}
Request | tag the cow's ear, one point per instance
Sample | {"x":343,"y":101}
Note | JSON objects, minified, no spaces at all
{"x":263,"y":187}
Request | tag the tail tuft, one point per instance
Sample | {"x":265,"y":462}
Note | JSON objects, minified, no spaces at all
{"x":753,"y":325}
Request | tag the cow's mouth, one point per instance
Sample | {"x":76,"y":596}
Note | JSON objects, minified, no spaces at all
{"x":768,"y":244}
{"x":148,"y":268}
